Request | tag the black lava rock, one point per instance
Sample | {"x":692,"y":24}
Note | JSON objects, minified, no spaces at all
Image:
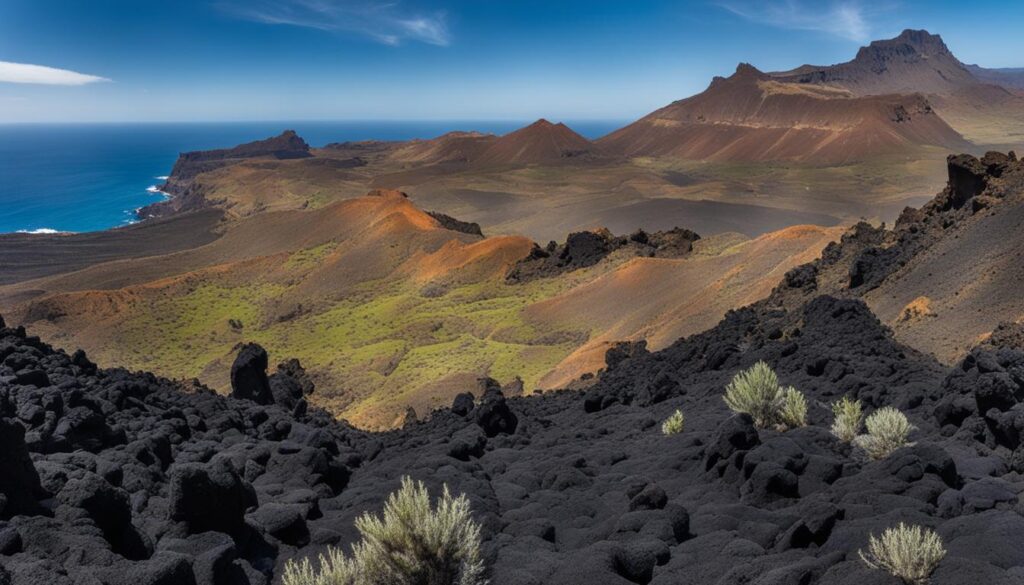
{"x":249,"y":375}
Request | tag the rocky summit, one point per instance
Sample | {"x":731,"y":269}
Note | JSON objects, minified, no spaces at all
{"x":117,"y":477}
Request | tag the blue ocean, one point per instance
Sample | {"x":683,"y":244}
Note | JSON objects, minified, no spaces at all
{"x":87,"y":177}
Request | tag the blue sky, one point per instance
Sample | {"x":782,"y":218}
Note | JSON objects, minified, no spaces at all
{"x":187,"y":60}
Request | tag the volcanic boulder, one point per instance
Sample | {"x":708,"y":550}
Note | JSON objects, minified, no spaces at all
{"x":209,"y":497}
{"x":493,"y":414}
{"x":20,"y":488}
{"x":109,"y":508}
{"x":249,"y":375}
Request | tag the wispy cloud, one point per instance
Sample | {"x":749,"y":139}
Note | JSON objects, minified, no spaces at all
{"x":40,"y":74}
{"x":847,"y":19}
{"x":383,"y":21}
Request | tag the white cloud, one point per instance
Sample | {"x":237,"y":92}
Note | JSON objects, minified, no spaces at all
{"x":380,"y":20}
{"x":847,"y":19}
{"x":40,"y":74}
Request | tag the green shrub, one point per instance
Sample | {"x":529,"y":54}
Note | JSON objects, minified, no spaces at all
{"x":888,"y":430}
{"x":673,"y":425}
{"x":848,"y":417}
{"x":335,"y":569}
{"x":410,"y":544}
{"x":757,"y":392}
{"x":908,"y":552}
{"x":794,"y":409}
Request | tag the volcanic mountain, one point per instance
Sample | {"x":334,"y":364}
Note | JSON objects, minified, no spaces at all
{"x":974,"y":102}
{"x":751,"y":116}
{"x":914,"y":62}
{"x":453,"y":147}
{"x":539,"y":143}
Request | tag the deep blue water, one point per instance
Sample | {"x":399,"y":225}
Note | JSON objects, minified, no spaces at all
{"x":86,"y":177}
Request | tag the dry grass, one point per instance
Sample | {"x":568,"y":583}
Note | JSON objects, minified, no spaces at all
{"x":412,"y":543}
{"x":757,"y":392}
{"x":848,"y":418}
{"x":910,"y":553}
{"x":674,"y":424}
{"x":888,"y":430}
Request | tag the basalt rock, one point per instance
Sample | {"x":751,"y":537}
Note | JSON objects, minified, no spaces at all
{"x":20,"y":489}
{"x":494,"y":415}
{"x":584,"y":249}
{"x":249,"y":375}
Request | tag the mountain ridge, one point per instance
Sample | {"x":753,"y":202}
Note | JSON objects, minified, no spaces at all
{"x":750,"y":116}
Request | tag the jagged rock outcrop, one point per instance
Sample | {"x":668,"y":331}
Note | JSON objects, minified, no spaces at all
{"x":249,"y":375}
{"x":584,"y":249}
{"x":914,"y":61}
{"x":955,"y":253}
{"x":450,"y":223}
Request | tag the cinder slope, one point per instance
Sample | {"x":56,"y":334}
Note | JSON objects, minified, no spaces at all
{"x":660,"y":300}
{"x":539,"y":143}
{"x":752,"y":117}
{"x":947,"y":274}
{"x":453,"y":147}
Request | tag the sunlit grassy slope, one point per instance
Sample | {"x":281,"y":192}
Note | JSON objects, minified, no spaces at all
{"x":385,"y":343}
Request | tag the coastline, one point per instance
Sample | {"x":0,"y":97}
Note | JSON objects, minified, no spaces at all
{"x":133,"y":216}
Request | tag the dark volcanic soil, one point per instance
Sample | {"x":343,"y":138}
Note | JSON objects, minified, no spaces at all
{"x":27,"y":256}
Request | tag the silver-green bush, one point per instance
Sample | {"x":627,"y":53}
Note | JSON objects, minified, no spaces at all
{"x":335,"y":569}
{"x":793,"y":413}
{"x":888,"y":430}
{"x":848,"y":416}
{"x":410,"y":544}
{"x":756,"y":391}
{"x":673,"y":425}
{"x":910,"y":553}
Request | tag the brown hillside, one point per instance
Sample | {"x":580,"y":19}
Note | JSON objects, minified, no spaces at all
{"x":1008,"y":77}
{"x":388,"y":308}
{"x":539,"y":143}
{"x":974,"y":101}
{"x":752,"y":117}
{"x":358,"y":290}
{"x":660,"y":300}
{"x":453,"y":147}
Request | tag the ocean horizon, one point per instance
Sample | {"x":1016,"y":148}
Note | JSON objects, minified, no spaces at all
{"x":81,"y":177}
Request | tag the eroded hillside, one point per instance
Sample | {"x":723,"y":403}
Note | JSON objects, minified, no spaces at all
{"x":389,"y":308}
